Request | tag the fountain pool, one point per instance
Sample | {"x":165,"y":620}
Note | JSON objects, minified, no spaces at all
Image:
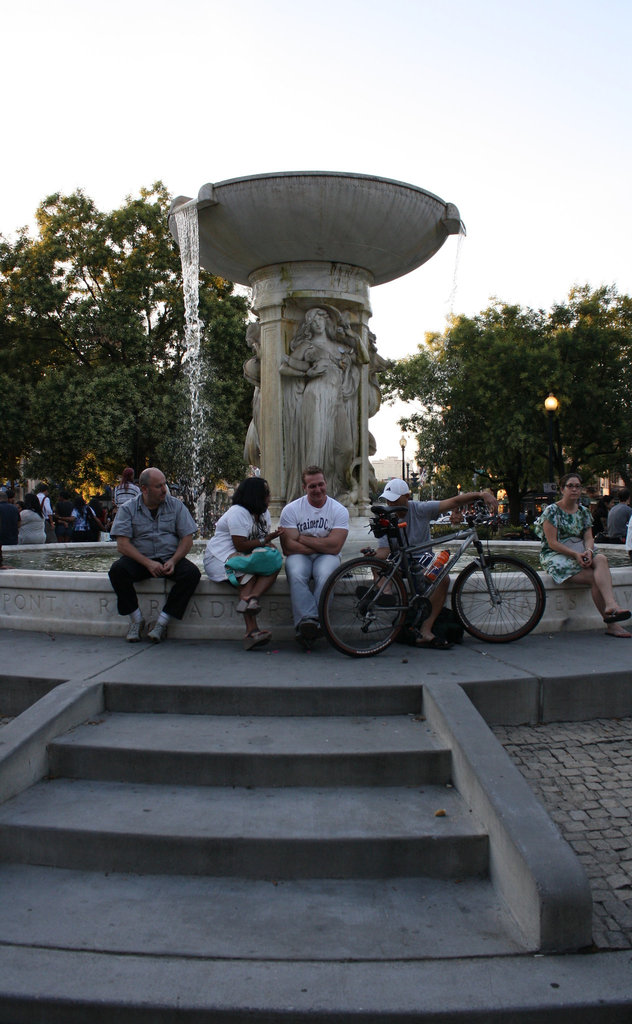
{"x":99,"y":557}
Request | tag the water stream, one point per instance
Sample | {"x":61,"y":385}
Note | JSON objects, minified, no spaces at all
{"x":455,"y":275}
{"x":189,"y":242}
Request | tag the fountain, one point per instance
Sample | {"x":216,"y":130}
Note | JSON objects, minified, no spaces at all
{"x":310,"y":245}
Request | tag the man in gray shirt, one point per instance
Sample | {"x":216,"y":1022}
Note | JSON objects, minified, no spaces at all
{"x":153,"y":535}
{"x":418,"y":518}
{"x":619,"y":515}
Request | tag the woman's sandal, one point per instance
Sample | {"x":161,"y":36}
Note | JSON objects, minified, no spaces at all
{"x":611,"y":617}
{"x":258,"y":638}
{"x":250,"y":605}
{"x":436,"y":644}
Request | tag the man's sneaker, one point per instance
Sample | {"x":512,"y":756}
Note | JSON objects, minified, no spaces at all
{"x":158,"y":632}
{"x":307,"y":631}
{"x":135,"y":631}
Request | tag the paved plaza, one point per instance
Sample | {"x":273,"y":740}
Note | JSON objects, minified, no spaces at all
{"x":582,"y":773}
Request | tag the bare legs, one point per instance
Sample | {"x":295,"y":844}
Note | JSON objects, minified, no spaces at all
{"x":250,"y":592}
{"x":598,"y":578}
{"x":437,"y":602}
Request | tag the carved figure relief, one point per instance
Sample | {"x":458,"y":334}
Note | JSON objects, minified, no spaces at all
{"x":252,"y":373}
{"x":320,"y":399}
{"x":321,"y":377}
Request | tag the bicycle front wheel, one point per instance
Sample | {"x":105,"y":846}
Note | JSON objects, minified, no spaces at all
{"x":506,"y":608}
{"x":361,"y":609}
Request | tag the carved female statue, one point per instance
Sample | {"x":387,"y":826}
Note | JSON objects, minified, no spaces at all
{"x":320,"y":399}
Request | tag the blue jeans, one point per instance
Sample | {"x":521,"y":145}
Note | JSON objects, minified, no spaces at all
{"x":300,"y":570}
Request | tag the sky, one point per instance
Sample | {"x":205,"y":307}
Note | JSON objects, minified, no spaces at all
{"x":518,"y":113}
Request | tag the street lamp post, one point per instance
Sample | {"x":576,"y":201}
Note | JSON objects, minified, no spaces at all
{"x":402,"y":445}
{"x":551,"y":405}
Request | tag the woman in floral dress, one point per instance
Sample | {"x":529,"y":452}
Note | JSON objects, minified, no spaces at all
{"x":568,"y":552}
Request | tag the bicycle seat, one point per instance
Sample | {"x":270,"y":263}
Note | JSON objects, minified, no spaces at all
{"x":388,"y":510}
{"x":387,"y":520}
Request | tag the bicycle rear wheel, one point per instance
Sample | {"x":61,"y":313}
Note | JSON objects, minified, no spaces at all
{"x":361,"y":610}
{"x":510,"y":610}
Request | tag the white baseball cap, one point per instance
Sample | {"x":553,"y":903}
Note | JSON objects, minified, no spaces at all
{"x":394,"y":489}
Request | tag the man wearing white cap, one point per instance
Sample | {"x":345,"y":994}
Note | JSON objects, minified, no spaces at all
{"x":418,"y":517}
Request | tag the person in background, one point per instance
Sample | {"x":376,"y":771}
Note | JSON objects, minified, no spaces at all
{"x":618,"y":518}
{"x":97,"y":518}
{"x":127,"y":489}
{"x":568,"y":552}
{"x":600,"y":517}
{"x":81,"y":521}
{"x":32,"y":522}
{"x":9,"y":520}
{"x":63,"y":518}
{"x":47,"y":509}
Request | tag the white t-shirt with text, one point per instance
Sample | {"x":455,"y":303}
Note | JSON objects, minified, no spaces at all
{"x":315,"y":522}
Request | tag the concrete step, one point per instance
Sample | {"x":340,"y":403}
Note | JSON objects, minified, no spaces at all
{"x":298,"y":832}
{"x":57,"y":986}
{"x":227,"y":918}
{"x":294,"y":696}
{"x":240,"y":751}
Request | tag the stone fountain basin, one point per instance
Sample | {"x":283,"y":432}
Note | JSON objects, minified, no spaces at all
{"x":386,"y":227}
{"x":84,"y":603}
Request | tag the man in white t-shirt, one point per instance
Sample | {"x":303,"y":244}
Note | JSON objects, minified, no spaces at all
{"x":314,"y":529}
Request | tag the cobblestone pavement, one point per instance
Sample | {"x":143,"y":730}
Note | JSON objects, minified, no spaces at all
{"x":582,"y":773}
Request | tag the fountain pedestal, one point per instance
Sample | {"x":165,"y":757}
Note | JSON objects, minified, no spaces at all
{"x":281,"y":295}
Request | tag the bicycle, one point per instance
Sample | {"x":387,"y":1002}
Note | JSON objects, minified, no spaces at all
{"x":366,"y":602}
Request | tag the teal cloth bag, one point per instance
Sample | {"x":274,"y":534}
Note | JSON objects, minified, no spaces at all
{"x":260,"y":562}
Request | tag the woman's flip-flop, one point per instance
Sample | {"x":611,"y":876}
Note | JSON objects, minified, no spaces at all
{"x":250,"y":605}
{"x":611,"y":617}
{"x":258,"y":638}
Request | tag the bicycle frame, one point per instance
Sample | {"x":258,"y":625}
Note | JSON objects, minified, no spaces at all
{"x":367,"y":601}
{"x":402,"y":553}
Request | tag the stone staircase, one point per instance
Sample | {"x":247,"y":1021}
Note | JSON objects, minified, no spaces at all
{"x":189,"y":821}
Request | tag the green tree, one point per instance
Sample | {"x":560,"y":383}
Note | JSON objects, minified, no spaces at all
{"x":92,"y":356}
{"x":479,"y":390}
{"x":592,"y":336}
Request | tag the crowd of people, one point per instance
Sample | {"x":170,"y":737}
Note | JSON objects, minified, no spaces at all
{"x":154,"y":534}
{"x":33,"y":520}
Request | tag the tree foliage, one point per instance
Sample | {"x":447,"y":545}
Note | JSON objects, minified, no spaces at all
{"x":479,"y":390}
{"x":92,"y":359}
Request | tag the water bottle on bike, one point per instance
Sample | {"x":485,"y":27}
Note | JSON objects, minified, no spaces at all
{"x":427,"y":567}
